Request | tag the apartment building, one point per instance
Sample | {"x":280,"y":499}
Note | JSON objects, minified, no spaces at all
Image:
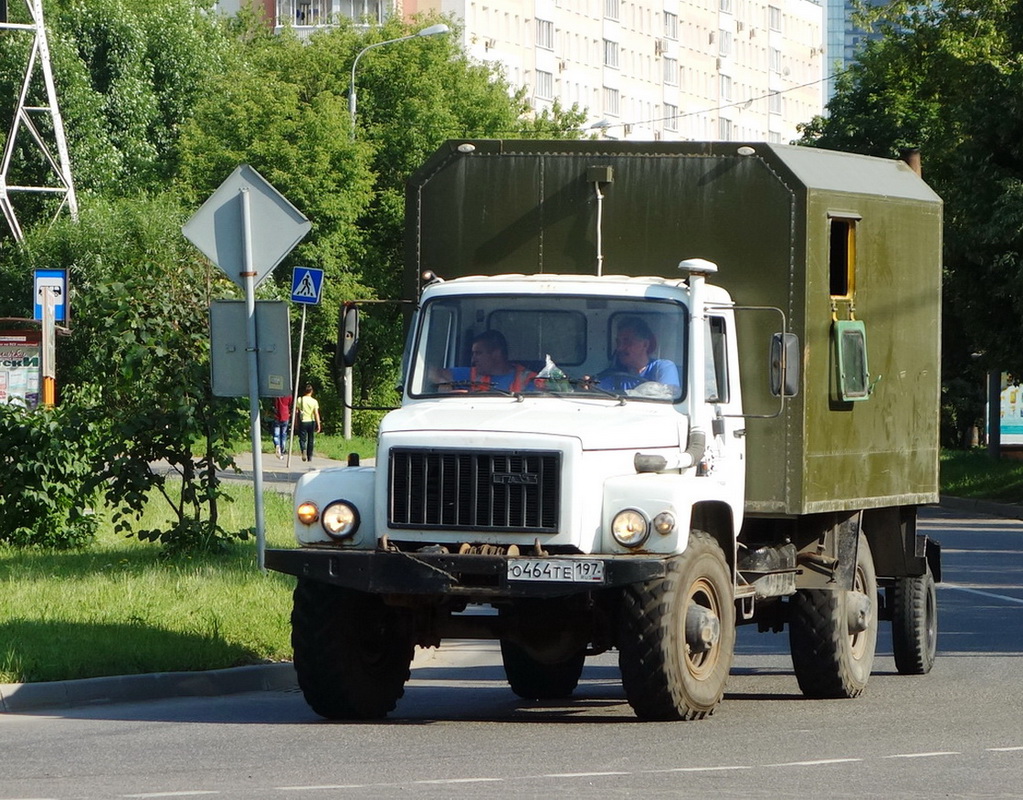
{"x":734,"y":70}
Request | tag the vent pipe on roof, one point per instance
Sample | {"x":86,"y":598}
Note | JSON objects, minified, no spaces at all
{"x":911,"y":155}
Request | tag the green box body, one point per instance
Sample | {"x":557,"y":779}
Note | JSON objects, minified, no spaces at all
{"x":767,"y":215}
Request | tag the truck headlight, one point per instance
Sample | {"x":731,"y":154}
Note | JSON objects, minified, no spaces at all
{"x":307,"y":513}
{"x":340,"y":520}
{"x":664,"y":523}
{"x":630,"y":528}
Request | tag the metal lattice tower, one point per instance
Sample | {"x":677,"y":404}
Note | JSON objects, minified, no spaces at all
{"x":25,"y":117}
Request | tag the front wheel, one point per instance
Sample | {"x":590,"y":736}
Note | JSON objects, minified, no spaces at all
{"x":677,"y":635}
{"x":833,"y":634}
{"x":352,"y":652}
{"x":914,"y":603}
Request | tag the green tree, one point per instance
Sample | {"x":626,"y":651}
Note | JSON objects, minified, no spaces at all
{"x":947,"y":78}
{"x":287,"y":116}
{"x":140,"y":339}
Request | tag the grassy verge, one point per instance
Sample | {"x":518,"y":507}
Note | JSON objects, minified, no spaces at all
{"x":972,"y":473}
{"x":118,"y":607}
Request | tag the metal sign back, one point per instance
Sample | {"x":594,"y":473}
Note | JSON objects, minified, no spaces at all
{"x":228,"y":348}
{"x":276,"y":226}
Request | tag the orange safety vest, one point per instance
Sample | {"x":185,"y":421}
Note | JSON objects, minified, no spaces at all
{"x":481,"y":383}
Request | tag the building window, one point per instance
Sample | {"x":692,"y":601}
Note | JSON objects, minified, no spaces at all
{"x":670,"y":117}
{"x":724,"y":43}
{"x":611,"y":101}
{"x":671,"y":71}
{"x":612,"y":8}
{"x":774,"y":18}
{"x":544,"y":85}
{"x":724,"y":130}
{"x":726,"y":87}
{"x":670,"y":25}
{"x":774,"y":103}
{"x":360,"y":11}
{"x":725,"y":5}
{"x":775,"y":56}
{"x":545,"y":34}
{"x":610,"y":53}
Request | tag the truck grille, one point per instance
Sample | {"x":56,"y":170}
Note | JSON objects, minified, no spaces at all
{"x":472,"y":490}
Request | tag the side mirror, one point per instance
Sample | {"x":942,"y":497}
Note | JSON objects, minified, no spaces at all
{"x":785,"y":364}
{"x":347,"y":335}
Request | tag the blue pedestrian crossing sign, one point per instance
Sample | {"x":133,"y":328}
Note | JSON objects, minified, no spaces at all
{"x":306,"y":285}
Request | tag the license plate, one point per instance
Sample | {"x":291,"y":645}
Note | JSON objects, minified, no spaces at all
{"x":555,"y":571}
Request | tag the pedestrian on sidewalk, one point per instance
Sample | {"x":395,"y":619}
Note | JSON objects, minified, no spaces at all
{"x":281,"y":423}
{"x":308,"y":422}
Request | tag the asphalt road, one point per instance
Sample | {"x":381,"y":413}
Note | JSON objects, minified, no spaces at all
{"x":459,"y":732}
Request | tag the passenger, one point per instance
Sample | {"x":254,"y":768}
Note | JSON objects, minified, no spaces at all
{"x":490,"y":369}
{"x":635,"y":345}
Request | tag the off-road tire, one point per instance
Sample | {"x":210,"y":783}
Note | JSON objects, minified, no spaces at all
{"x":663,"y":679}
{"x":352,"y":652}
{"x":535,"y":680}
{"x":829,"y":661}
{"x":914,"y":604}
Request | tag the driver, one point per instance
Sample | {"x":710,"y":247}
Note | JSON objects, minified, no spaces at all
{"x":490,"y":368}
{"x":635,"y":345}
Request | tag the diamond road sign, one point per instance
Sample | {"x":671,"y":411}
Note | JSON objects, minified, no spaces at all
{"x":306,"y":285}
{"x":275,"y":226}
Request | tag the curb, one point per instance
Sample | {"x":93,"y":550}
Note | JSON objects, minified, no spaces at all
{"x":18,"y":697}
{"x":1006,"y":510}
{"x":280,"y":677}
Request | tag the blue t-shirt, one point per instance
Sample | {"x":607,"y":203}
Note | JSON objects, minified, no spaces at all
{"x":618,"y":379}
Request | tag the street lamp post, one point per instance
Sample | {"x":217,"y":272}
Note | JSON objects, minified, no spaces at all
{"x":433,"y":30}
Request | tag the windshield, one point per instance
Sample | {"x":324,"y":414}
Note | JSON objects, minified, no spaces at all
{"x":550,"y":345}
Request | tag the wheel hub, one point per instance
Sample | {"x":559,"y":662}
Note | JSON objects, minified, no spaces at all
{"x":703,"y":629}
{"x":858,"y":611}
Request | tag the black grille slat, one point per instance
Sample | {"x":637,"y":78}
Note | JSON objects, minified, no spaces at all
{"x":474,"y":490}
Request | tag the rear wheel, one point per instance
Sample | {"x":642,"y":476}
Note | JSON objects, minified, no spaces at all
{"x":677,"y":635}
{"x":833,"y":634}
{"x":914,"y":603}
{"x":352,"y":652}
{"x":533,"y":679}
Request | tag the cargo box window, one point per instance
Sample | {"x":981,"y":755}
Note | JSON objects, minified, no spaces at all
{"x":851,"y":357}
{"x":842,"y":256}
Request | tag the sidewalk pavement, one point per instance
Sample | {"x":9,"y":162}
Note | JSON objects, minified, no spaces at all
{"x":279,"y":474}
{"x":24,"y":697}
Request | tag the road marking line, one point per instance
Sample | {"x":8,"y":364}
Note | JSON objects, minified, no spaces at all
{"x":462,"y":780}
{"x":982,"y":594}
{"x":171,"y":794}
{"x":322,"y":788}
{"x":695,"y":769}
{"x":1004,"y":749}
{"x":582,"y":774}
{"x":925,"y":755}
{"x":815,"y":763}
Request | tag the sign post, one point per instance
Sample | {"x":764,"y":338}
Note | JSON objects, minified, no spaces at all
{"x":246,"y":227}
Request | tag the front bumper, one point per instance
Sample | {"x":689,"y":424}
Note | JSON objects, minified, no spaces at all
{"x":472,"y":576}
